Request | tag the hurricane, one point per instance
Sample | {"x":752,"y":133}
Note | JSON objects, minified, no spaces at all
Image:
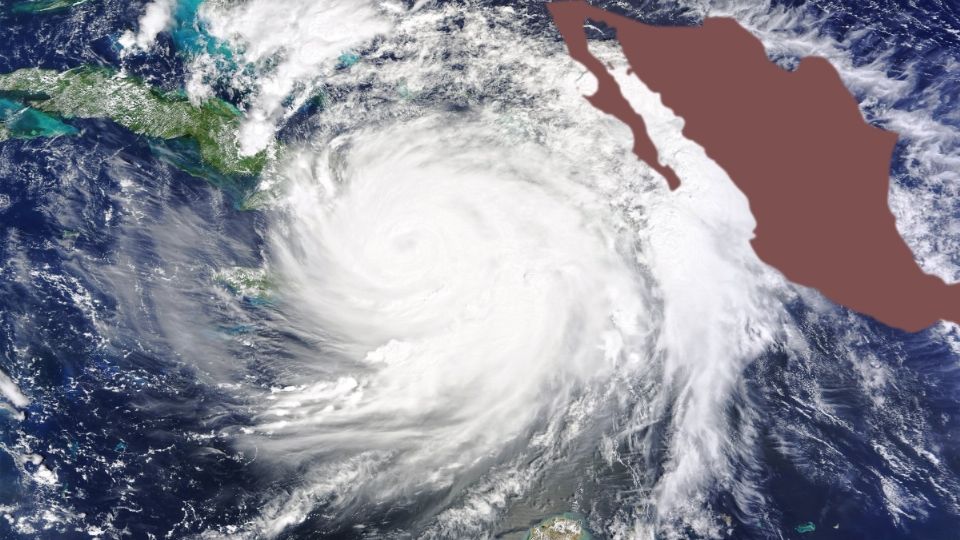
{"x":442,"y":298}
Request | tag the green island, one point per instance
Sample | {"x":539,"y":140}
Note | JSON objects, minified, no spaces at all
{"x":45,"y":6}
{"x":94,"y":92}
{"x":252,"y":284}
{"x":563,"y":527}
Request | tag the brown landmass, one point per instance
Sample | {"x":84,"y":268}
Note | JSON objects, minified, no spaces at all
{"x":815,"y":172}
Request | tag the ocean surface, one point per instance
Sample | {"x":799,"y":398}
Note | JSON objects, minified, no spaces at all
{"x":454,"y":304}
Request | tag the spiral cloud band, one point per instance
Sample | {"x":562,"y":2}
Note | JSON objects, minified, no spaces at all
{"x":473,"y":293}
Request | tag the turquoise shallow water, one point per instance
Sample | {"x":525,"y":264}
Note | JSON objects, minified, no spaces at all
{"x":25,"y":122}
{"x":190,"y":35}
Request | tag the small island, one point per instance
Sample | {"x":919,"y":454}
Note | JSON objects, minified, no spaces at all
{"x":563,"y":527}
